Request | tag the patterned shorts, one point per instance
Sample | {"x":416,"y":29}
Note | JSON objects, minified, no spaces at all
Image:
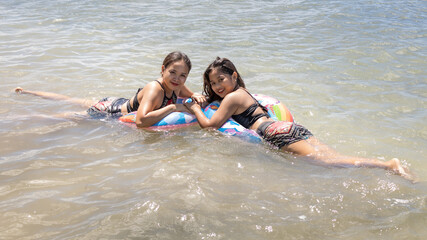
{"x":107,"y":107}
{"x":282,"y":133}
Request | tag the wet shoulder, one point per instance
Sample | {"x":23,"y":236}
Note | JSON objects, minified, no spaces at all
{"x":239,"y":98}
{"x":153,"y":87}
{"x":153,"y":91}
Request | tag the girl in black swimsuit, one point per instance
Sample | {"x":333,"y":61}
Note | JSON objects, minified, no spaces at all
{"x":222,"y":82}
{"x":152,"y":103}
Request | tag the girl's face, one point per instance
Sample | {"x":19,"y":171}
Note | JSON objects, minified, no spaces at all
{"x":222,"y":83}
{"x":175,"y":75}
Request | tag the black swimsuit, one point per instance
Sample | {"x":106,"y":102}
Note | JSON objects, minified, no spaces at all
{"x":112,"y":107}
{"x":245,"y":118}
{"x":107,"y":107}
{"x":166,"y":100}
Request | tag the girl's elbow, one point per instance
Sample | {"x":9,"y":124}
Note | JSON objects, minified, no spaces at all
{"x":207,"y":125}
{"x":140,"y":123}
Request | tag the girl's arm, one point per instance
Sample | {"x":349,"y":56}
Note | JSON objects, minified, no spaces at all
{"x":146,"y":114}
{"x":228,"y":107}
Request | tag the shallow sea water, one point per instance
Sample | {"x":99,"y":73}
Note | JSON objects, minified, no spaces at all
{"x":354,"y":73}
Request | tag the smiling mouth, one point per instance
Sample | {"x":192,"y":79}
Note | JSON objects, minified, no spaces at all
{"x":220,"y":92}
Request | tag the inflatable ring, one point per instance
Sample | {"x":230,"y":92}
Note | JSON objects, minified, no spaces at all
{"x":276,"y":110}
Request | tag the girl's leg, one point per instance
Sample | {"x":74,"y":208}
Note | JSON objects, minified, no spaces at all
{"x":321,"y":153}
{"x":71,"y":115}
{"x":55,"y":96}
{"x":321,"y":147}
{"x":301,"y":148}
{"x":65,"y":115}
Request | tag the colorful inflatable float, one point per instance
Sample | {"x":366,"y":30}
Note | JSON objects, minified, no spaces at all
{"x":276,"y":110}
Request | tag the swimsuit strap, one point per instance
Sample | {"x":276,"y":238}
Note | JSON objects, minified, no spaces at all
{"x":256,"y":101}
{"x":161,"y":85}
{"x":166,"y":100}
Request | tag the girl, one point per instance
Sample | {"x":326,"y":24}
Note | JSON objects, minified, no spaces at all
{"x":222,"y":82}
{"x":152,"y":103}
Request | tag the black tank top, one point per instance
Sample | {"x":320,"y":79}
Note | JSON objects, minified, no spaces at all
{"x":245,"y":118}
{"x":166,"y":100}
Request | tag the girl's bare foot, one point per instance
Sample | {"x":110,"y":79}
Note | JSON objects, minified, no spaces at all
{"x":19,"y":90}
{"x":398,"y":168}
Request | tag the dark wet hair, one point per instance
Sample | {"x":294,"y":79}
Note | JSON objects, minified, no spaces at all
{"x":175,"y":57}
{"x":225,"y":66}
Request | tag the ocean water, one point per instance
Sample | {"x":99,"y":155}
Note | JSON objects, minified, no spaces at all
{"x":353,"y":72}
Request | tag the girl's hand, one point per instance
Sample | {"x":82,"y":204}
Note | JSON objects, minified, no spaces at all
{"x":199,"y":98}
{"x":192,"y":106}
